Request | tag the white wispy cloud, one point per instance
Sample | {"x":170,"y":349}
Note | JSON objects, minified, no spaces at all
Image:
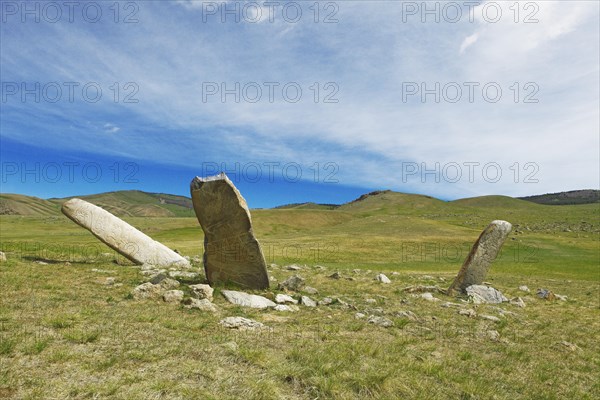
{"x":369,"y":55}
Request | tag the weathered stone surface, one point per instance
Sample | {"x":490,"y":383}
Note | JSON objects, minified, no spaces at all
{"x":380,"y":321}
{"x":307,"y":301}
{"x":146,"y":291}
{"x":232,"y":253}
{"x":183,"y":274}
{"x":294,"y":283}
{"x":173,"y":296}
{"x":164,"y":282}
{"x":240,"y":323}
{"x":481,"y":256}
{"x":480,"y":294}
{"x":120,"y":236}
{"x":284,"y":298}
{"x":202,"y":291}
{"x":286,"y":308}
{"x":199,"y":304}
{"x":383,"y":279}
{"x":247,"y":300}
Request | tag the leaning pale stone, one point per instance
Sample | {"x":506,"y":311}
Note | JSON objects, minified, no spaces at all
{"x":481,"y":256}
{"x":232,"y":253}
{"x":120,"y":236}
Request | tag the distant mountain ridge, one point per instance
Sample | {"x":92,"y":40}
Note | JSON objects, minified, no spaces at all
{"x":136,"y":203}
{"x":585,"y":196}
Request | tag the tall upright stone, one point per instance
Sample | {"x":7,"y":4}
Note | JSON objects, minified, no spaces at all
{"x":231,"y":252}
{"x":120,"y":236}
{"x":481,"y":256}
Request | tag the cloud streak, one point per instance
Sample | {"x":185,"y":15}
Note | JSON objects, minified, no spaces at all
{"x":372,"y":133}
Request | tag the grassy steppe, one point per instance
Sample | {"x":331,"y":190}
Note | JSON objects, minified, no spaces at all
{"x":64,"y":333}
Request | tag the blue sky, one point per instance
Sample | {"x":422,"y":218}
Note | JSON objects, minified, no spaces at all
{"x":373,"y":61}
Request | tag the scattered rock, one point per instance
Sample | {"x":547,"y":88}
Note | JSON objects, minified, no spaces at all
{"x":359,"y":315}
{"x":421,"y":289}
{"x":247,"y":300}
{"x":200,"y":304}
{"x":524,"y":288}
{"x":481,"y":256}
{"x":40,"y":262}
{"x":428,"y":296}
{"x":380,"y":321}
{"x":561,"y":297}
{"x":164,"y":282}
{"x":2,"y":256}
{"x":517,"y":301}
{"x":545,"y":294}
{"x":375,"y":311}
{"x":183,"y":274}
{"x":110,"y":281}
{"x":356,"y":271}
{"x":173,"y":296}
{"x":146,"y":291}
{"x":449,"y":304}
{"x":286,"y":308}
{"x":284,"y":298}
{"x":493,"y":335}
{"x":293,"y":267}
{"x":307,"y":301}
{"x":326,"y":301}
{"x":241,"y":323}
{"x":383,"y":279}
{"x":294,"y":283}
{"x":335,"y":275}
{"x":480,"y":294}
{"x":489,"y":317}
{"x":231,"y":251}
{"x":201,"y":291}
{"x":468,"y":312}
{"x":406,"y":314}
{"x":310,"y":290}
{"x":395,"y":273}
{"x":370,"y":301}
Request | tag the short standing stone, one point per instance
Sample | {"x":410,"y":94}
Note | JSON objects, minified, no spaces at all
{"x":202,"y":291}
{"x":383,"y":279}
{"x":481,"y":256}
{"x":232,"y":253}
{"x":247,"y":300}
{"x":120,"y":236}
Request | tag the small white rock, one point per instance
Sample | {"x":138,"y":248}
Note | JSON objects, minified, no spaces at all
{"x":284,"y":298}
{"x":382,"y":278}
{"x":307,"y":301}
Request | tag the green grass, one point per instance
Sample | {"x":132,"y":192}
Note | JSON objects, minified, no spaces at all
{"x":65,"y":334}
